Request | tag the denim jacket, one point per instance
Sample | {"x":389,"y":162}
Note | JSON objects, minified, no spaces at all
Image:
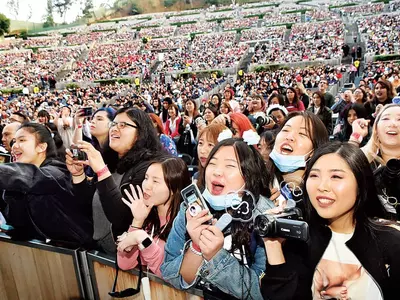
{"x":223,"y":271}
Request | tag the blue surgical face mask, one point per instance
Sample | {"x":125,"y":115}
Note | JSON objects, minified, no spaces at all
{"x":221,"y":202}
{"x":288,"y":163}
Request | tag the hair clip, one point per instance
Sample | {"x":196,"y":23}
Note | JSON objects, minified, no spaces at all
{"x":224,"y":135}
{"x":251,"y":137}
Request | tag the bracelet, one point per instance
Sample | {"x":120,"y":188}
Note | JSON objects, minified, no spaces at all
{"x":195,"y":249}
{"x":78,"y":175}
{"x":135,"y":227}
{"x":80,"y":126}
{"x":102,"y":171}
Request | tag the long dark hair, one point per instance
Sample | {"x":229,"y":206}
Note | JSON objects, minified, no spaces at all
{"x":367,"y":205}
{"x":316,"y":131}
{"x":58,"y":141}
{"x":322,"y":98}
{"x":147,"y":144}
{"x":109,"y":155}
{"x":295,"y":99}
{"x":177,"y":177}
{"x":361,"y":113}
{"x":43,"y":135}
{"x":256,"y":178}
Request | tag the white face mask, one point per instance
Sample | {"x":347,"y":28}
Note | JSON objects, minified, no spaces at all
{"x":221,"y":202}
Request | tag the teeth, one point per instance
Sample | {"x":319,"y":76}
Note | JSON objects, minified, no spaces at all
{"x":392,"y":132}
{"x":325,"y":201}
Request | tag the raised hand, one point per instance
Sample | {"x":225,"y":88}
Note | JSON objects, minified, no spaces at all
{"x":140,"y":210}
{"x":195,"y":225}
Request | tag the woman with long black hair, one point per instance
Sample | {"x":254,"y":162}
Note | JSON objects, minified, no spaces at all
{"x":349,"y":255}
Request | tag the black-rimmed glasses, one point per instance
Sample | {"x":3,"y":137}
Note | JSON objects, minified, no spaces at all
{"x":121,"y":125}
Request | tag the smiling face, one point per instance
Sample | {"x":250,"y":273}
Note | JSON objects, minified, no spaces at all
{"x":204,"y":148}
{"x":155,"y":190}
{"x":332,"y":188}
{"x":223,"y":174}
{"x":215,"y":101}
{"x":381,"y":92}
{"x":316,"y":100}
{"x":208,"y":115}
{"x":27,"y":150}
{"x":256,"y":104}
{"x":351,"y":116}
{"x":388,"y":128}
{"x":99,"y":124}
{"x":171,"y":112}
{"x":294,"y":139}
{"x":122,"y":140}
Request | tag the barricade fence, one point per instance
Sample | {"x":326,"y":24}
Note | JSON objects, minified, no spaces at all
{"x":36,"y":270}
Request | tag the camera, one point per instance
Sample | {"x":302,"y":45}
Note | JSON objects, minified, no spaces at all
{"x":77,"y":153}
{"x":288,"y":225}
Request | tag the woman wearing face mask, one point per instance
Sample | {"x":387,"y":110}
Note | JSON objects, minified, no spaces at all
{"x":154,"y":209}
{"x":230,"y":267}
{"x":37,"y":198}
{"x":301,"y":133}
{"x":349,"y":255}
{"x":133,"y":137}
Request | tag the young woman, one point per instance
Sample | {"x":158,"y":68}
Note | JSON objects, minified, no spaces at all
{"x":167,"y":143}
{"x":207,"y":139}
{"x":43,"y":117}
{"x":360,"y":96}
{"x":133,"y":136}
{"x":383,"y":150}
{"x":225,"y":108}
{"x":37,"y":198}
{"x":188,"y":128}
{"x":292,"y":102}
{"x":156,"y":105}
{"x":319,"y":108}
{"x":210,"y":113}
{"x":301,"y":133}
{"x":65,"y":125}
{"x":383,"y":94}
{"x":99,"y":138}
{"x":154,"y":208}
{"x":230,"y":266}
{"x":216,"y":100}
{"x":351,"y":113}
{"x":172,"y":124}
{"x":278,"y":113}
{"x":276,"y":99}
{"x":348,"y":255}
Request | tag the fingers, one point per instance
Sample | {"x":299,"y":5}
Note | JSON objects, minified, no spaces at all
{"x":129,"y":204}
{"x":133,"y":191}
{"x":131,"y":199}
{"x":204,"y":219}
{"x":140,"y":193}
{"x":212,"y":231}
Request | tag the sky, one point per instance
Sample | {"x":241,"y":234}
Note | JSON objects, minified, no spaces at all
{"x":39,"y":10}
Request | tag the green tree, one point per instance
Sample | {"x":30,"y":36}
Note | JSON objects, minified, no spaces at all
{"x":49,"y":18}
{"x":4,"y":24}
{"x":88,"y":9}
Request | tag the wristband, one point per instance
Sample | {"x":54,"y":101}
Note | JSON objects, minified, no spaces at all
{"x":195,"y":249}
{"x":135,"y":227}
{"x":102,"y":171}
{"x":80,"y":126}
{"x":356,"y":137}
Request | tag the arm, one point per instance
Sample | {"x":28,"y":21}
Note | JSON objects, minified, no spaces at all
{"x":287,"y":276}
{"x":175,"y":251}
{"x":301,"y":106}
{"x":328,"y":120}
{"x":27,"y":178}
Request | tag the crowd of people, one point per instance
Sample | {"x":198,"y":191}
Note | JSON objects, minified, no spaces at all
{"x":383,"y":33}
{"x":147,"y":171}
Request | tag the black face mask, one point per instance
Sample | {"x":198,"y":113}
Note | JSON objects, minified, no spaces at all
{"x":130,"y":291}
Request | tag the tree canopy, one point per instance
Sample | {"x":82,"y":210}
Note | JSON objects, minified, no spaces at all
{"x":4,"y":24}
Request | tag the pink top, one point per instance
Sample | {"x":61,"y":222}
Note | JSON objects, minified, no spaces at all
{"x":292,"y":107}
{"x":151,"y":256}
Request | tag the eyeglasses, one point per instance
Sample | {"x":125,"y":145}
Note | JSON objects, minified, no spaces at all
{"x":121,"y":125}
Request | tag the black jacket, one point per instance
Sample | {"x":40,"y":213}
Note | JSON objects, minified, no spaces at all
{"x":377,"y":250}
{"x":39,"y":203}
{"x":325,"y":116}
{"x":110,"y":194}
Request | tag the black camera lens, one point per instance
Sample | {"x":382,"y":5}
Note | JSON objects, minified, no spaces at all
{"x":262,"y":225}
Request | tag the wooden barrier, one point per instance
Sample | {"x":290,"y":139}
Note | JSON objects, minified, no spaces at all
{"x":33,"y":270}
{"x":103,"y":274}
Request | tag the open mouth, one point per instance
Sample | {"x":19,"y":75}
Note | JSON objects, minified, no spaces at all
{"x":392,"y":132}
{"x":146,"y":196}
{"x":286,"y":149}
{"x":17,"y":155}
{"x":325,"y":201}
{"x":217,"y":188}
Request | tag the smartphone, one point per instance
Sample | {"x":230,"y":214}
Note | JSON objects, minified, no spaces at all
{"x":5,"y":158}
{"x":192,"y":196}
{"x":77,"y":153}
{"x":87,"y":111}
